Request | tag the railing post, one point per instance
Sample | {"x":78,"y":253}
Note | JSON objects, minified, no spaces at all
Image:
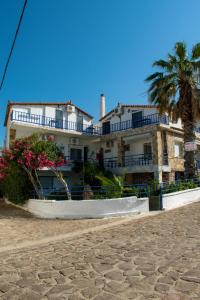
{"x":161,"y":196}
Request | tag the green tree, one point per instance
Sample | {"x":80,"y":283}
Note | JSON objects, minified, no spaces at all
{"x":174,"y":90}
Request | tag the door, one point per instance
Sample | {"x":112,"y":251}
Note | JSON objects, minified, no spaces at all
{"x":59,"y":119}
{"x":136,"y":119}
{"x":85,"y":154}
{"x":80,"y":123}
{"x":76,"y":154}
{"x":106,"y":127}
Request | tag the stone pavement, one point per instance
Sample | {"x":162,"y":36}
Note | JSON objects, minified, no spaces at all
{"x":151,"y":258}
{"x":18,"y":226}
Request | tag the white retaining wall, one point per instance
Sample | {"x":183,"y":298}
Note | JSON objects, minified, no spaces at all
{"x":180,"y":198}
{"x":72,"y":209}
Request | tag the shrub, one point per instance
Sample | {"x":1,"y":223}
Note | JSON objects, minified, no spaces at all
{"x":179,"y":186}
{"x":16,"y":186}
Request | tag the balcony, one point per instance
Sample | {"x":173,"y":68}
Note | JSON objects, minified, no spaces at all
{"x":129,"y":160}
{"x":107,"y":128}
{"x":41,"y":120}
{"x":124,"y":125}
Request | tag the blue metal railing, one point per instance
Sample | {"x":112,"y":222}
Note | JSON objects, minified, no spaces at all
{"x":54,"y":123}
{"x":146,"y":120}
{"x":84,"y":128}
{"x":96,"y":192}
{"x":129,"y":160}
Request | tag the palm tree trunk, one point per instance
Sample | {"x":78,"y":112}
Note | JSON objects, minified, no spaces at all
{"x":189,"y":134}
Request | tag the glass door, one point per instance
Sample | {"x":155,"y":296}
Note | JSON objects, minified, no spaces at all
{"x":59,"y":118}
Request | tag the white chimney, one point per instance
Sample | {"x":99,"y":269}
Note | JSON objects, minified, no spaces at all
{"x":102,"y":106}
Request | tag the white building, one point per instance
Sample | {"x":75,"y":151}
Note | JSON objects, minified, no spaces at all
{"x":133,"y":140}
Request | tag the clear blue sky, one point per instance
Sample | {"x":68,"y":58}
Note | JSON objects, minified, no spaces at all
{"x":77,"y":49}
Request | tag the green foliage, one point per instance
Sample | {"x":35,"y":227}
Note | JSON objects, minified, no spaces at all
{"x":47,"y":147}
{"x":180,"y":186}
{"x":111,"y":187}
{"x":16,"y":186}
{"x":154,"y":188}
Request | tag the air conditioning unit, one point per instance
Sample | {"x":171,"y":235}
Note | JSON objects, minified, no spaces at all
{"x":70,"y":108}
{"x":74,"y":141}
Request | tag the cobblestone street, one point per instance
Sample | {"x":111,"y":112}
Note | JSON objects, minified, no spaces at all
{"x":155,"y":257}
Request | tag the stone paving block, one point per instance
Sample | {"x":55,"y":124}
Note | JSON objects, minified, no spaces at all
{"x":150,"y":258}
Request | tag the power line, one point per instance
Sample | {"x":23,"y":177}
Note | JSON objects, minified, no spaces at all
{"x":13,"y":44}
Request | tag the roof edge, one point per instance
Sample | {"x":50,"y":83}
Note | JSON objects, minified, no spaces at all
{"x":130,"y":105}
{"x":69,"y":102}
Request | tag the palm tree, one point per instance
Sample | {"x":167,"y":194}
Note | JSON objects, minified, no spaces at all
{"x":174,"y":90}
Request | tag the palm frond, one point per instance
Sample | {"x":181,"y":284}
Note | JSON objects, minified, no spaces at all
{"x":153,"y":76}
{"x":180,"y":50}
{"x":163,"y":64}
{"x":172,"y":60}
{"x":195,"y":65}
{"x":196,"y":51}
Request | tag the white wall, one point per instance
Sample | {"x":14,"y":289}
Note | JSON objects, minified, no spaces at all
{"x":127,"y":115}
{"x":87,"y":208}
{"x":177,"y":199}
{"x":50,"y":111}
{"x":62,"y":140}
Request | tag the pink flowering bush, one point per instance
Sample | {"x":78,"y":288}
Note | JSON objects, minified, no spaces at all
{"x":33,"y":154}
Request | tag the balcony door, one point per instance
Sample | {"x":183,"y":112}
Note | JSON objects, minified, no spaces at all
{"x":106,"y":127}
{"x":79,"y":123}
{"x":136,"y":118}
{"x":59,"y":119}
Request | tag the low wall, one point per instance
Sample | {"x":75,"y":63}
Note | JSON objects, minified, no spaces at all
{"x":71,"y":209}
{"x":180,"y":198}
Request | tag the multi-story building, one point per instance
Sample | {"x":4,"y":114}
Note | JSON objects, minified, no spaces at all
{"x":130,"y":140}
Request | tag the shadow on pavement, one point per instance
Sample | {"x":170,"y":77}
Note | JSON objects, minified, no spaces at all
{"x":9,"y":211}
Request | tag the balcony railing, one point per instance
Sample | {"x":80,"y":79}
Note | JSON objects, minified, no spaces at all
{"x":129,"y":160}
{"x":84,"y":128}
{"x":54,"y":123}
{"x":146,"y":120}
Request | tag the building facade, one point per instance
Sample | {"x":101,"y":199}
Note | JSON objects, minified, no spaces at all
{"x":130,"y":140}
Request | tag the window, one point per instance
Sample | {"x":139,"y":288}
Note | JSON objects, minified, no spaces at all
{"x":75,"y":154}
{"x":62,"y":149}
{"x":109,"y":144}
{"x":178,"y":150}
{"x":126,"y":147}
{"x":147,"y":150}
{"x":107,"y":151}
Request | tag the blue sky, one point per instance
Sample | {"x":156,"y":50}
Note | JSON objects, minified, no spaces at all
{"x":77,"y":49}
